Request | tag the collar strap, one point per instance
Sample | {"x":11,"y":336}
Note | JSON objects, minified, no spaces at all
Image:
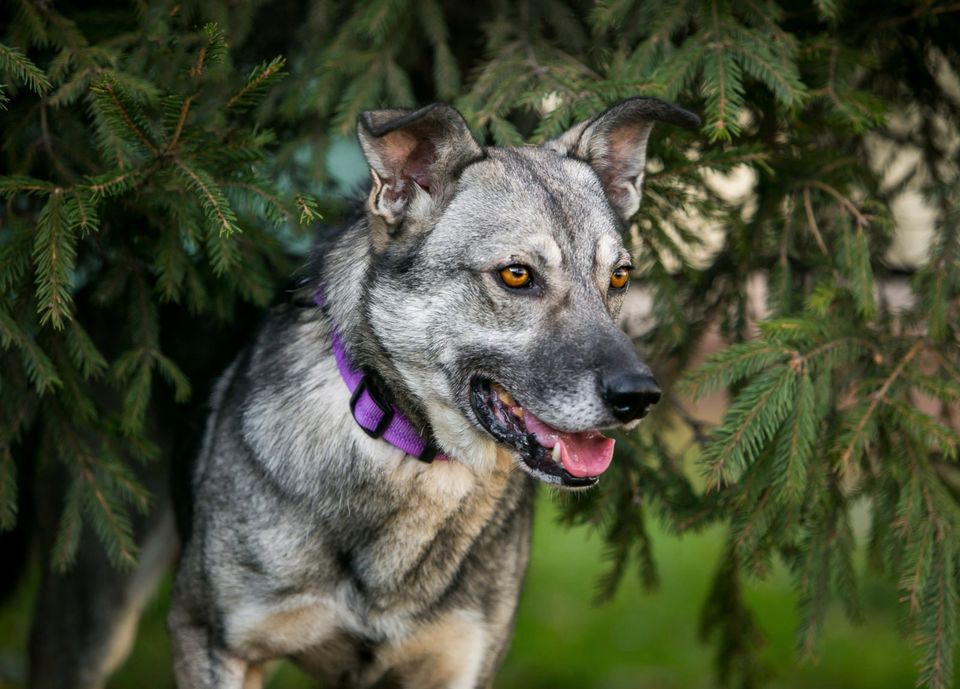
{"x":371,"y":407}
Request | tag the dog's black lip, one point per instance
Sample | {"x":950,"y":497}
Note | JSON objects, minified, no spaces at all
{"x":533,"y":454}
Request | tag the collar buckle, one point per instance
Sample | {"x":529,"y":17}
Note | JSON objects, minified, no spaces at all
{"x":376,"y":396}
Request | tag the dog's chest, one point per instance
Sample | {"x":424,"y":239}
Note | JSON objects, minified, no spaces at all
{"x":370,"y":576}
{"x":401,"y":550}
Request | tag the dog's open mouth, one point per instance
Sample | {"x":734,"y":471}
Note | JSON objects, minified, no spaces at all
{"x":569,"y":459}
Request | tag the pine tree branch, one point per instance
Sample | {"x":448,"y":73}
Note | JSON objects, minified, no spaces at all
{"x":815,"y":586}
{"x":812,"y":225}
{"x":197,"y":70}
{"x":922,"y":11}
{"x":913,"y":582}
{"x":834,"y":344}
{"x":107,"y":87}
{"x":719,"y":46}
{"x":733,"y":160}
{"x":875,"y":400}
{"x":213,"y":203}
{"x":859,"y":217}
{"x":24,"y":69}
{"x":67,"y":541}
{"x":744,"y":535}
{"x":271,"y":70}
{"x":253,"y":188}
{"x":181,"y":120}
{"x":752,"y":425}
{"x":104,"y":186}
{"x":125,"y":555}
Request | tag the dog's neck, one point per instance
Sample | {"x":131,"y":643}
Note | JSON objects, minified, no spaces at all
{"x":375,"y":414}
{"x":343,"y":273}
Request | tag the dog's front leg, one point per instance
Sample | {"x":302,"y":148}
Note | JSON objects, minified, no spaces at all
{"x":201,"y":662}
{"x":452,"y":652}
{"x":254,"y":677}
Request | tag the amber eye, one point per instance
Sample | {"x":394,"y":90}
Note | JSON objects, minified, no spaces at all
{"x":515,"y":276}
{"x":620,"y":277}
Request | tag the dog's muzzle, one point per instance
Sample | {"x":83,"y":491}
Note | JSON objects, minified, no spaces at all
{"x":569,"y":459}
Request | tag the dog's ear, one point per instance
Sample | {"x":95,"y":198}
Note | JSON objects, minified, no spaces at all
{"x":614,"y":143}
{"x":412,"y":154}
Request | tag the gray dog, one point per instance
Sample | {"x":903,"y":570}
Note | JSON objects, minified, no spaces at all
{"x":362,"y":500}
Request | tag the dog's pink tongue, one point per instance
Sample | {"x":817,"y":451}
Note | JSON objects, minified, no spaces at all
{"x":582,"y":454}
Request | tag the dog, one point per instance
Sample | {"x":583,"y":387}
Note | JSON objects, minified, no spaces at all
{"x":362,"y":500}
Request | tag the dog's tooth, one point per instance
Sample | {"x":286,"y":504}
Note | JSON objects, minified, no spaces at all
{"x":517,"y":411}
{"x":505,"y":397}
{"x":556,"y":453}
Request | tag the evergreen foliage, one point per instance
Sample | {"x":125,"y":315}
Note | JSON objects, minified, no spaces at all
{"x":153,"y":160}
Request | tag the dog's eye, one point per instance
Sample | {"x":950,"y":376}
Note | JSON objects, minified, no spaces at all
{"x":516,"y":276}
{"x":620,"y":277}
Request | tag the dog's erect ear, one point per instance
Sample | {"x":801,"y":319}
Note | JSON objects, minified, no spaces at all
{"x":411,"y":152}
{"x":614,"y":143}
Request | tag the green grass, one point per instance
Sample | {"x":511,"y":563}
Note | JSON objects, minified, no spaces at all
{"x":650,"y":640}
{"x":637,"y":641}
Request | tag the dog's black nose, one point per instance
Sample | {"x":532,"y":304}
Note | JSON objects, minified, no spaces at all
{"x":630,"y":395}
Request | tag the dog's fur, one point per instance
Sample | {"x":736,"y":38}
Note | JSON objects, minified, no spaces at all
{"x":311,"y":540}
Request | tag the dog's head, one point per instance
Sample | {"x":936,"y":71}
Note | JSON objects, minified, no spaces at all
{"x":496,"y":278}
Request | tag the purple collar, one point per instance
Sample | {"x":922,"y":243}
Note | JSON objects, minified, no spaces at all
{"x":371,"y":409}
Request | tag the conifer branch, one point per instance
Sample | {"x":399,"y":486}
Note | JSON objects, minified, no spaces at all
{"x":181,"y":120}
{"x":861,"y":219}
{"x":115,"y":184}
{"x":814,"y":586}
{"x":913,"y":583}
{"x":197,"y":70}
{"x":725,"y":160}
{"x":795,"y":449}
{"x":270,"y":199}
{"x":836,"y":344}
{"x":14,"y":61}
{"x":19,"y":184}
{"x":65,"y":546}
{"x":39,"y":368}
{"x":309,"y":212}
{"x":753,"y":523}
{"x":120,"y":536}
{"x":752,"y":419}
{"x":812,"y":223}
{"x":732,"y":364}
{"x":855,"y":438}
{"x":54,"y":257}
{"x":922,"y":11}
{"x":783,"y":80}
{"x":258,"y":79}
{"x":211,"y":197}
{"x":939,"y":627}
{"x":718,"y":46}
{"x":128,"y":120}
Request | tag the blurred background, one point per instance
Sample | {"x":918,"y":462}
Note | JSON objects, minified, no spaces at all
{"x":787,"y":517}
